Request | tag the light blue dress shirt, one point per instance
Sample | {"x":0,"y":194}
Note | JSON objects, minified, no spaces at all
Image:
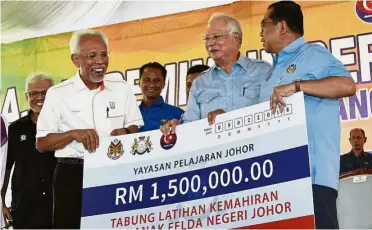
{"x":301,"y":60}
{"x":215,"y":89}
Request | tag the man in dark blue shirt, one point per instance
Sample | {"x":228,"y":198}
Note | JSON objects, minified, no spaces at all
{"x":153,"y":109}
{"x":357,"y":158}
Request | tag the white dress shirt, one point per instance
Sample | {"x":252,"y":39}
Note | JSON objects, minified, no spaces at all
{"x":71,"y":105}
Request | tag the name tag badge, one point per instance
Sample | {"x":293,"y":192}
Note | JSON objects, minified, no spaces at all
{"x":359,"y":179}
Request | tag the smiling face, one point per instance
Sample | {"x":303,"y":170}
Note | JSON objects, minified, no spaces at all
{"x":92,"y":59}
{"x":270,"y":33}
{"x":35,"y":94}
{"x":152,"y":83}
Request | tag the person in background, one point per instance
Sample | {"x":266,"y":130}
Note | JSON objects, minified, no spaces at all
{"x":312,"y":69}
{"x":32,"y":198}
{"x":357,"y":158}
{"x":192,"y":74}
{"x":155,"y":112}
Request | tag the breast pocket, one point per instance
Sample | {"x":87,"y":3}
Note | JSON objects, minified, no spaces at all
{"x":116,"y":120}
{"x":250,"y":93}
{"x":208,"y":102}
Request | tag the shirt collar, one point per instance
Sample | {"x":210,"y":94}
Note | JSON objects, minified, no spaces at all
{"x":29,"y":115}
{"x":156,"y":103}
{"x":80,"y":85}
{"x":241,"y":61}
{"x":351,"y":153}
{"x":293,"y":46}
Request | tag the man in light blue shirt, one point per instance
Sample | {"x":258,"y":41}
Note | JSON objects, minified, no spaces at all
{"x":232,"y":83}
{"x":300,"y":66}
{"x":216,"y":89}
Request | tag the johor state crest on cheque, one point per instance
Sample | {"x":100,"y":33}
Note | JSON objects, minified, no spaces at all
{"x":115,"y":150}
{"x":141,"y":145}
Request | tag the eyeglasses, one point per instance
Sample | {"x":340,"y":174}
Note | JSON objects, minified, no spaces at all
{"x":214,"y":37}
{"x":34,"y":94}
{"x":94,"y":55}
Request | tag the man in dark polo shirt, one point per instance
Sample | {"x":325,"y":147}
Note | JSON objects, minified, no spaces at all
{"x":357,"y":158}
{"x":155,"y":112}
{"x":32,"y":198}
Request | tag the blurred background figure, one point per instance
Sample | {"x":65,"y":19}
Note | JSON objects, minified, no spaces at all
{"x":357,"y":158}
{"x":192,"y":74}
{"x":32,"y":179}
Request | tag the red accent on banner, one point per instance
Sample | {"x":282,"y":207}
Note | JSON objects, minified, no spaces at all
{"x":304,"y":222}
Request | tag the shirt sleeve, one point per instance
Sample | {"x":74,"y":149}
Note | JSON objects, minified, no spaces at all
{"x":132,"y":113}
{"x":326,"y":65}
{"x":192,"y":112}
{"x":181,"y":112}
{"x":49,"y":118}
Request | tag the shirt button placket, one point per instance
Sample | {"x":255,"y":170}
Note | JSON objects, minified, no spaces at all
{"x":229,"y":92}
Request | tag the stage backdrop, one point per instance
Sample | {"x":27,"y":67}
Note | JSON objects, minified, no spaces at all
{"x":176,"y":41}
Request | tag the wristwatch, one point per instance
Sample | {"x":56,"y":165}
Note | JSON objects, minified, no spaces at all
{"x":127,"y":130}
{"x":297,"y":83}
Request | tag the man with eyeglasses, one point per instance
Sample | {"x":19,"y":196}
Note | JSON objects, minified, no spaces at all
{"x":32,"y":198}
{"x":153,"y":109}
{"x":233,"y":82}
{"x":77,"y":112}
{"x":357,"y":158}
{"x":300,"y":66}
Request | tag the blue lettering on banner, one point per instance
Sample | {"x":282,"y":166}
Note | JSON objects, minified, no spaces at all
{"x":227,"y":178}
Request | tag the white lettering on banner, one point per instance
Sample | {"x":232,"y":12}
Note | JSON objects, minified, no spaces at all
{"x":198,"y":61}
{"x":252,"y":54}
{"x":133,"y":194}
{"x":10,"y":106}
{"x":365,"y":57}
{"x":266,"y":56}
{"x":182,"y":71}
{"x":337,"y":47}
{"x":205,"y":181}
{"x":132,"y":76}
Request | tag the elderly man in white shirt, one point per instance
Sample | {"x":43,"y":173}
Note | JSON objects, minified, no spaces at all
{"x":76,"y":113}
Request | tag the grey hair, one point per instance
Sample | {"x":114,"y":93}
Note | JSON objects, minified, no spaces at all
{"x":232,"y":23}
{"x":37,"y":77}
{"x":77,"y":35}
